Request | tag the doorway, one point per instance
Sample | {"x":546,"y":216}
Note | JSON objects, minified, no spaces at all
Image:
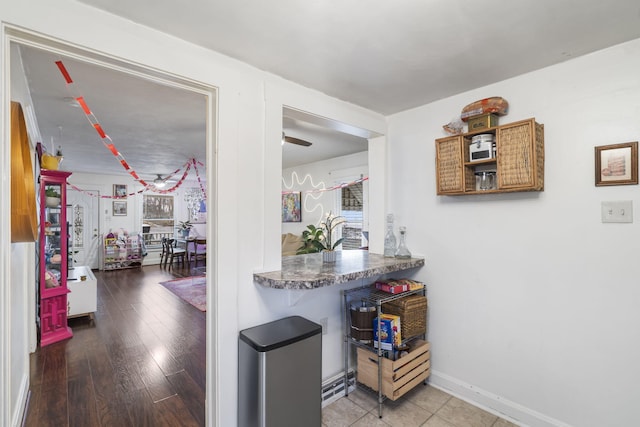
{"x":18,"y":38}
{"x":84,"y":240}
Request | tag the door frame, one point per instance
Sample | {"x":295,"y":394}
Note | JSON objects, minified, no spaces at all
{"x":11,"y":34}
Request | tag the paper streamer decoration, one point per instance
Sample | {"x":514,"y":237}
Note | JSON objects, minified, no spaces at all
{"x":106,"y":140}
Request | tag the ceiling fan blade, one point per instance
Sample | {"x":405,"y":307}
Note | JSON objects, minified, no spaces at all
{"x":297,"y":141}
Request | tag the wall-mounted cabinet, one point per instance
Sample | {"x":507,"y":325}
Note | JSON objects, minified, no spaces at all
{"x":516,"y":163}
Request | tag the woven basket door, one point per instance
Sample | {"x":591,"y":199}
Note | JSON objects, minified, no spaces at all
{"x":449,"y":170}
{"x":520,"y":156}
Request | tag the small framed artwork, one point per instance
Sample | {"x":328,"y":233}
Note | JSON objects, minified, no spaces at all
{"x":291,"y":211}
{"x":119,"y":190}
{"x":119,"y":208}
{"x":617,"y":164}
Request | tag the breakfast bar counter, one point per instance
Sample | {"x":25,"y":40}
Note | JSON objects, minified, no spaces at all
{"x":310,"y":272}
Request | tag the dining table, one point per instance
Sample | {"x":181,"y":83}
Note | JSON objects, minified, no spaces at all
{"x":194,"y":246}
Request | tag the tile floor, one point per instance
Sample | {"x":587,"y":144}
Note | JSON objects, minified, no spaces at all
{"x":424,"y":406}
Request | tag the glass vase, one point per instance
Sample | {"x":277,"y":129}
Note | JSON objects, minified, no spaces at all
{"x":390,"y":243}
{"x":403,"y":251}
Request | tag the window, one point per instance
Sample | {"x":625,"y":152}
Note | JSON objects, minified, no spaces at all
{"x":352,"y":202}
{"x":157,"y":217}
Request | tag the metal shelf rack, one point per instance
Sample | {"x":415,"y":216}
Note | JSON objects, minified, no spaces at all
{"x":371,"y":295}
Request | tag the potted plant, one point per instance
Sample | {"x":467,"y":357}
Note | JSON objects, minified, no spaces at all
{"x":52,"y":197}
{"x":312,"y":239}
{"x":320,"y":239}
{"x":184,"y":227}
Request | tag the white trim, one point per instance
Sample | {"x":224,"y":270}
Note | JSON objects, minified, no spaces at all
{"x":213,"y":316}
{"x":497,"y":405}
{"x":21,"y":406}
{"x":5,"y":224}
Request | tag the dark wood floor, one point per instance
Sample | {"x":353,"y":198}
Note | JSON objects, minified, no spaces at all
{"x":141,"y":362}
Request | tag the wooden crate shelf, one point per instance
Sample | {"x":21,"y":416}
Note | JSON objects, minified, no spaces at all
{"x":398,"y":376}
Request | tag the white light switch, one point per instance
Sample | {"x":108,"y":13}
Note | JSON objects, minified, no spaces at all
{"x":620,"y":211}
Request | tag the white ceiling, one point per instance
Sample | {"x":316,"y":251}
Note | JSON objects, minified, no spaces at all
{"x":387,"y":56}
{"x":390,"y":56}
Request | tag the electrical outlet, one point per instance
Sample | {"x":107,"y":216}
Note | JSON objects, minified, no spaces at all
{"x":325,"y":324}
{"x":618,"y":211}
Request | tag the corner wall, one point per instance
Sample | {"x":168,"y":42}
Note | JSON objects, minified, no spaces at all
{"x":533,"y":302}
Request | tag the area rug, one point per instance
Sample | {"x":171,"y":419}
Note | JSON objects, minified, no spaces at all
{"x":191,"y":289}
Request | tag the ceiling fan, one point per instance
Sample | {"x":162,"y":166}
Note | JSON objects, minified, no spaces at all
{"x":296,"y":141}
{"x":161,"y":182}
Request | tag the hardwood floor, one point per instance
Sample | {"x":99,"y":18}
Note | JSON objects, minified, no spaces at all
{"x":141,"y":362}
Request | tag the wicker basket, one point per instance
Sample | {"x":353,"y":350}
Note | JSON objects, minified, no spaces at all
{"x":413,"y":314}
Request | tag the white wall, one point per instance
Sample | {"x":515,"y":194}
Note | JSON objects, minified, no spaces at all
{"x":23,"y":256}
{"x":533,"y":301}
{"x":312,"y":177}
{"x":246,"y":183}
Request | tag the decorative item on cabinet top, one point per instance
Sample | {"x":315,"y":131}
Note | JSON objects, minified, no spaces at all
{"x":518,"y":163}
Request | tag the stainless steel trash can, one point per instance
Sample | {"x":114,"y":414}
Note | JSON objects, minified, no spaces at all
{"x":279,"y":374}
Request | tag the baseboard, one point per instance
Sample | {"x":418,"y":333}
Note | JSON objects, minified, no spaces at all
{"x":504,"y":408}
{"x":20,"y":410}
{"x":333,"y":388}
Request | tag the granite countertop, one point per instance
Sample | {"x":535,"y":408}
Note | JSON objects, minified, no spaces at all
{"x":309,"y":272}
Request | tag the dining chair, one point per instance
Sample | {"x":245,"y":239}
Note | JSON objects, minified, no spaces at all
{"x":165,"y":252}
{"x":174,"y":252}
{"x":197,"y":249}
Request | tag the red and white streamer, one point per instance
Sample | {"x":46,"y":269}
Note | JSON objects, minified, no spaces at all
{"x":108,"y":143}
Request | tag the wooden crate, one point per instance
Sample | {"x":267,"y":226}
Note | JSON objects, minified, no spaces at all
{"x":399,"y":376}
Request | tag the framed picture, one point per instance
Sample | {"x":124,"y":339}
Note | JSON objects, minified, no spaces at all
{"x":119,"y":208}
{"x":617,"y":164}
{"x":291,"y":211}
{"x":119,"y":190}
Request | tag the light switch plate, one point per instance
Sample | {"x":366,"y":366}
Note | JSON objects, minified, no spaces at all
{"x":617,"y":211}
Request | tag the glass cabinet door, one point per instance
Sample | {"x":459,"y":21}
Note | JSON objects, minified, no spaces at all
{"x":54,"y":240}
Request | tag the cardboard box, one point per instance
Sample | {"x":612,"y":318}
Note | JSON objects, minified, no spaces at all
{"x":394,"y":286}
{"x":389,"y":331}
{"x":483,"y":121}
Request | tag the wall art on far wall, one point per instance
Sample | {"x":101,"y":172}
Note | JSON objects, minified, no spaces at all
{"x":119,"y":208}
{"x":291,"y":211}
{"x":119,"y":190}
{"x":617,"y":164}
